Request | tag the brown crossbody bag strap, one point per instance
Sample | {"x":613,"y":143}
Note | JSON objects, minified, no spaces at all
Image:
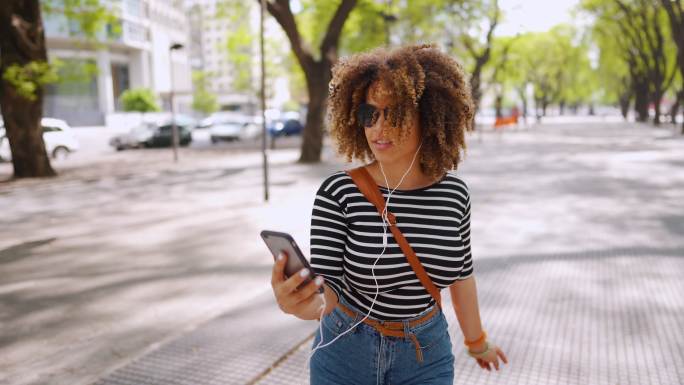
{"x":364,"y":181}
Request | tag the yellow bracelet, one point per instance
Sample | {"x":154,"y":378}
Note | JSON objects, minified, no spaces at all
{"x":481,"y":354}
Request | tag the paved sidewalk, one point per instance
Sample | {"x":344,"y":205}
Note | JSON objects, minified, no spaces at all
{"x":140,"y":272}
{"x":599,"y":317}
{"x":607,"y":314}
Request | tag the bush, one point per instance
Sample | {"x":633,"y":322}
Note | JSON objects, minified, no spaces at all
{"x":139,"y":99}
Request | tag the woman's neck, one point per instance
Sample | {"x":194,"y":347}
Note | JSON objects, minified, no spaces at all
{"x":415,"y":178}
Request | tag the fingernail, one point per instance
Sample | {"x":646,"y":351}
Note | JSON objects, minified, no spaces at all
{"x":319,"y":281}
{"x":280,"y":257}
{"x":304,"y":272}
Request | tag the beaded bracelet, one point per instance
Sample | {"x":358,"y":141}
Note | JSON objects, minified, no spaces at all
{"x":481,"y":354}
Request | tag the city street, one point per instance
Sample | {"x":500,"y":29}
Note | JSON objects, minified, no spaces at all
{"x":578,"y":240}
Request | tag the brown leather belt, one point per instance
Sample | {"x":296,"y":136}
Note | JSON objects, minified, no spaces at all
{"x":394,"y":328}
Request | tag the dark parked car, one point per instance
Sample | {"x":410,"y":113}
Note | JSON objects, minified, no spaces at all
{"x":153,"y":135}
{"x":285,"y":127}
{"x":163,"y":136}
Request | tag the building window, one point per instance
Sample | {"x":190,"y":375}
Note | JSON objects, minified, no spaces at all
{"x":134,"y":8}
{"x":120,"y":82}
{"x":135,"y":32}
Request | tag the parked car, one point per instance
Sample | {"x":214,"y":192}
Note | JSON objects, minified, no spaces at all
{"x":285,"y":127}
{"x":59,"y":139}
{"x":153,"y":134}
{"x":232,"y":127}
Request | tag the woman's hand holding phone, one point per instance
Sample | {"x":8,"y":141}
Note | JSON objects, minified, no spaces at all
{"x":301,"y":302}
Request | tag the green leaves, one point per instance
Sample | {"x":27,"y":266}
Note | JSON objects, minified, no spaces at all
{"x":27,"y":79}
{"x":239,"y":42}
{"x":637,"y":52}
{"x":91,"y":16}
{"x":139,"y":99}
{"x":203,"y":100}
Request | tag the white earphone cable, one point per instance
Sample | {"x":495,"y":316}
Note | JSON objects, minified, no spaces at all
{"x":385,"y":222}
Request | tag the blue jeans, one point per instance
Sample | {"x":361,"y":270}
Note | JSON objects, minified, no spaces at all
{"x":365,"y":357}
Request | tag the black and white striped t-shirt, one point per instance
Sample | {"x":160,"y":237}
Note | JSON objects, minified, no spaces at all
{"x":347,"y":238}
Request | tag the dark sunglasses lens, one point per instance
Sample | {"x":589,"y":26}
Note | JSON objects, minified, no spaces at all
{"x":367,"y":115}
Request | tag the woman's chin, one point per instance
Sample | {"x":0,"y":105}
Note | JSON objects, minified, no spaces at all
{"x":385,"y":159}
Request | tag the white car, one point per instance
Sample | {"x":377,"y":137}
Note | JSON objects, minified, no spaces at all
{"x":59,"y":140}
{"x":227,"y":126}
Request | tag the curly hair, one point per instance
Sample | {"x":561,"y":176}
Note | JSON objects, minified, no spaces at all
{"x":417,"y":77}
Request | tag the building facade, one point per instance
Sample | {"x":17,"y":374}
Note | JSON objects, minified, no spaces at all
{"x":212,"y":22}
{"x":133,"y":54}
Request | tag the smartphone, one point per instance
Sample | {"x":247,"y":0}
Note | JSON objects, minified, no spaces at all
{"x":278,"y":242}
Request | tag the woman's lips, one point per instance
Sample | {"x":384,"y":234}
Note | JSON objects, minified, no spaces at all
{"x":382,"y":145}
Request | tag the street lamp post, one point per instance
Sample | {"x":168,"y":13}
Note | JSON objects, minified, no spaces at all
{"x":174,"y":127}
{"x":262,"y":95}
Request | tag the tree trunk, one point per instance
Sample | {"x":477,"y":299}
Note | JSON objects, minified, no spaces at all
{"x":537,"y":109}
{"x":675,"y":14}
{"x":562,"y":107}
{"x":625,"y":101}
{"x":312,"y":141}
{"x":656,"y":106}
{"x":317,"y":72}
{"x":475,"y":92}
{"x":22,"y":40}
{"x":522,"y":96}
{"x":498,"y":106}
{"x":524,"y":110}
{"x":481,"y":59}
{"x":641,"y":101}
{"x":674,"y":109}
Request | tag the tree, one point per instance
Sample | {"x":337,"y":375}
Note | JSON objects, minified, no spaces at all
{"x":637,"y":27}
{"x":22,"y":43}
{"x":25,"y":68}
{"x":203,"y":100}
{"x":554,"y":63}
{"x":647,"y":32}
{"x":675,"y":13}
{"x":316,"y":66}
{"x":239,"y":44}
{"x":507,"y":72}
{"x":478,"y":49}
{"x":575,"y":76}
{"x":613,"y":72}
{"x":465,"y":27}
{"x":140,"y":100}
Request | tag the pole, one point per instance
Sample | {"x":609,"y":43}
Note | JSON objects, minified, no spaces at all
{"x":263,"y":100}
{"x":174,"y":128}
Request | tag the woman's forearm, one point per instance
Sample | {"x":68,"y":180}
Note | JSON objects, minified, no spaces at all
{"x":464,"y":300}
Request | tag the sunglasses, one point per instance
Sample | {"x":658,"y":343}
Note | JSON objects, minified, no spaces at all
{"x":368,"y":114}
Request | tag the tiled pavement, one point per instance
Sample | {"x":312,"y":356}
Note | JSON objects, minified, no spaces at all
{"x":599,"y":317}
{"x":232,"y":349}
{"x":578,"y":231}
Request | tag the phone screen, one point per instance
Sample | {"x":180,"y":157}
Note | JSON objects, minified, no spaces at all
{"x":278,"y":242}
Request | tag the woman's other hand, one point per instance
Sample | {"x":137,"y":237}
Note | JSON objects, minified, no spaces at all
{"x":491,"y":358}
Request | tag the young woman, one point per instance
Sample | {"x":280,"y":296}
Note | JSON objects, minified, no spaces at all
{"x":405,"y":113}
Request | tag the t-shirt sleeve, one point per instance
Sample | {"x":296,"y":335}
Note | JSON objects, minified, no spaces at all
{"x":464,"y":230}
{"x":328,"y":238}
